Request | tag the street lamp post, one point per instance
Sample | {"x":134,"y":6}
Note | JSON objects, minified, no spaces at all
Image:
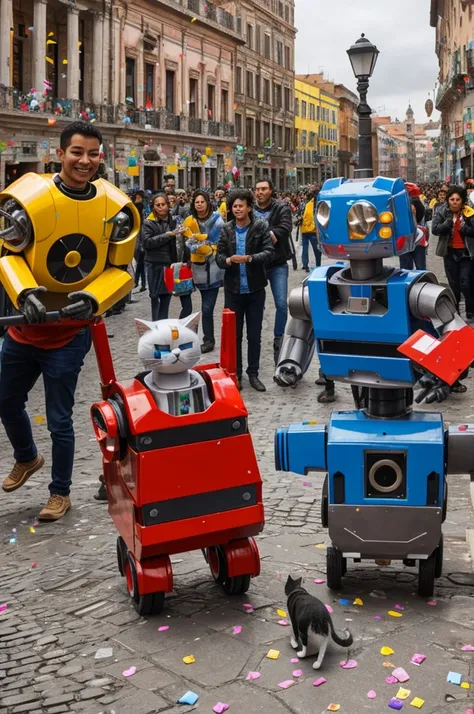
{"x":363,"y":56}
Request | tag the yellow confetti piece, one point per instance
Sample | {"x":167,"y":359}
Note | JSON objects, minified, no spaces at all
{"x":334,"y":707}
{"x":193,"y":19}
{"x":51,"y":42}
{"x":40,"y":419}
{"x":321,"y":546}
{"x":417,"y":702}
{"x":282,"y":613}
{"x":48,"y":59}
{"x":358,"y":601}
{"x":386,"y":651}
{"x":389,"y":664}
{"x":32,"y":530}
{"x":189,"y":659}
{"x":273,"y":654}
{"x":403,"y":693}
{"x":394,"y":613}
{"x":465,"y":685}
{"x":51,"y":34}
{"x":64,"y":61}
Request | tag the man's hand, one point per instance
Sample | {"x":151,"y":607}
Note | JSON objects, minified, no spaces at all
{"x":272,"y":236}
{"x":239,"y":259}
{"x":82,"y":307}
{"x":287,"y":375}
{"x":31,"y":307}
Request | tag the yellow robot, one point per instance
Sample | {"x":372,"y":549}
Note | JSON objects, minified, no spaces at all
{"x":65,"y":244}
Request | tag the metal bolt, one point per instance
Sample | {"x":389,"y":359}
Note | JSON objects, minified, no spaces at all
{"x":236,"y":425}
{"x":154,"y":512}
{"x":246,"y":496}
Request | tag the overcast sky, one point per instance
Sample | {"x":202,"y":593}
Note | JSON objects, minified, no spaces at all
{"x":407,"y":67}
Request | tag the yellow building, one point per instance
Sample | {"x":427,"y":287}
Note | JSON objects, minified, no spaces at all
{"x":316,"y":133}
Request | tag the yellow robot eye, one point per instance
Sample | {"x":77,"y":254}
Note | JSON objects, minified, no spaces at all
{"x":122,"y":224}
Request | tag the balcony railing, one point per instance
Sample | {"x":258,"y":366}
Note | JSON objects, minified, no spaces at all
{"x":195,"y":125}
{"x":172,"y":122}
{"x":207,"y":10}
{"x":213,"y":128}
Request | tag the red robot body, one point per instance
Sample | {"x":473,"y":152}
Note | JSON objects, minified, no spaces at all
{"x":179,"y":483}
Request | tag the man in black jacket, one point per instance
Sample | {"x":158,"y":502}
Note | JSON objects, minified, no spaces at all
{"x":244,"y":248}
{"x":278,"y":216}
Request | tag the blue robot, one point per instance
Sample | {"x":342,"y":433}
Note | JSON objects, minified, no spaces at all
{"x":377,"y":328}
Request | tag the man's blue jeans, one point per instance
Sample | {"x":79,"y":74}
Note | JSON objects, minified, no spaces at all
{"x":306,"y":239}
{"x":208,"y":303}
{"x":21,"y":366}
{"x":278,"y":279}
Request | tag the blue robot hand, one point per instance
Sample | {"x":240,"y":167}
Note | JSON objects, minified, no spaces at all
{"x":433,"y":389}
{"x":288,"y":375}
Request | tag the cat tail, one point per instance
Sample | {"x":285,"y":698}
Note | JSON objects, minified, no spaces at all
{"x":339,"y":640}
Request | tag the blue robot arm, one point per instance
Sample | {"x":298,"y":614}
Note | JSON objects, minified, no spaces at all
{"x":301,"y":448}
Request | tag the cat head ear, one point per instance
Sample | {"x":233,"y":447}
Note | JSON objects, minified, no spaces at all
{"x":192,"y":321}
{"x":292,"y":584}
{"x":143,"y":326}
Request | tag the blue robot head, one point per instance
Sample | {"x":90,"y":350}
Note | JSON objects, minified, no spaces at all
{"x":362,"y":219}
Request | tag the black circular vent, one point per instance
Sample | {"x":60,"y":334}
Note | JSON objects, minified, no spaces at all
{"x":77,"y":269}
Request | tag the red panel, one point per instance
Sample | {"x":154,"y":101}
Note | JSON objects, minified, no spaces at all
{"x":446,"y":357}
{"x":229,"y":343}
{"x":121,"y":506}
{"x":242,"y":558}
{"x":103,"y":355}
{"x":154,"y":575}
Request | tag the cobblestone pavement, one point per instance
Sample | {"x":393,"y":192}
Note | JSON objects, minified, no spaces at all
{"x":66,"y":600}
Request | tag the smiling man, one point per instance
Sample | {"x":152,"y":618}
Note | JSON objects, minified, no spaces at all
{"x":71,"y":269}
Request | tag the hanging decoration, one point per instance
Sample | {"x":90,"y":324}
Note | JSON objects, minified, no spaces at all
{"x":429,"y":107}
{"x":209,"y":152}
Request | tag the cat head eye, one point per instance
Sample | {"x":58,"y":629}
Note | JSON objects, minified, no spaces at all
{"x":186,"y":346}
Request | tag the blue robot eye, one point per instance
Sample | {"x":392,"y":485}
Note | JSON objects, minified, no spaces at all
{"x":186,"y":346}
{"x":160,"y":350}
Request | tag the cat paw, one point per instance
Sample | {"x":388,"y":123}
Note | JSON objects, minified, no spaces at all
{"x":301,"y":654}
{"x":294,"y":643}
{"x":316,"y":665}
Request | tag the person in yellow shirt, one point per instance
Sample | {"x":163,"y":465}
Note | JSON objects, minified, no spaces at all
{"x":309,"y":232}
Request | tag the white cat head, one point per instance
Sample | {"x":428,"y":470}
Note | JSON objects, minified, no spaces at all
{"x":169,"y":346}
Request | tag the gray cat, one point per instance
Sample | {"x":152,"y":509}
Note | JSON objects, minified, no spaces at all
{"x":311,"y":622}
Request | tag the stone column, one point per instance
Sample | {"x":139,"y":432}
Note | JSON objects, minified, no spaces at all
{"x":73,"y":53}
{"x":105,"y":98}
{"x":97,"y":59}
{"x":6,"y":22}
{"x":140,"y":97}
{"x":39,"y":45}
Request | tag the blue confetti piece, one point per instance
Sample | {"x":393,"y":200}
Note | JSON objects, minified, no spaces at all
{"x":12,"y":540}
{"x":344,"y":602}
{"x":454,"y":678}
{"x":189,"y":698}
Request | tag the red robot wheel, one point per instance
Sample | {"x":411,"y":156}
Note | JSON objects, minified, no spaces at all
{"x":144,"y":604}
{"x":234,"y":564}
{"x":122,"y":554}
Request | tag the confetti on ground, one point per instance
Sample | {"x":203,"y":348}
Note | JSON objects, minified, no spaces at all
{"x":394,"y":613}
{"x":306,"y":483}
{"x":32,"y":530}
{"x":319,"y":582}
{"x":454,"y":678}
{"x":350,"y":664}
{"x":344,"y":602}
{"x":220,"y":708}
{"x":273,"y":654}
{"x":377,"y":617}
{"x":321,"y":546}
{"x":129,"y":672}
{"x":189,"y":698}
{"x":468,"y":648}
{"x":237,"y":630}
{"x":278,"y":575}
{"x":401,"y":675}
{"x":33,"y":565}
{"x":403,"y":693}
{"x":286,"y":684}
{"x":328,"y":608}
{"x":395,"y":703}
{"x":319,"y":681}
{"x":248,"y":607}
{"x":371,"y":694}
{"x":432,"y":603}
{"x":334,"y":707}
{"x":103,"y":653}
{"x":391,"y":680}
{"x":465,"y":685}
{"x":3,"y":607}
{"x":12,"y":540}
{"x":189,"y":659}
{"x":36,"y":523}
{"x":193,"y":19}
{"x":40,"y":419}
{"x":358,"y":602}
{"x":294,"y":660}
{"x":418,"y":703}
{"x":282,"y":613}
{"x":163,"y":628}
{"x":386,"y":651}
{"x":399,"y":607}
{"x":283,"y":623}
{"x":253,"y":675}
{"x":469,"y":711}
{"x":388,"y":664}
{"x":418,"y":659}
{"x":298,"y":673}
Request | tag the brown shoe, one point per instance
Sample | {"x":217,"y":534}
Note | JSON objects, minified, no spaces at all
{"x":21,"y":472}
{"x":56,"y":508}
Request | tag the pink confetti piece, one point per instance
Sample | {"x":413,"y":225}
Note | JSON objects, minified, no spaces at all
{"x":371,"y":694}
{"x":294,"y":660}
{"x":237,"y":630}
{"x":432,"y":603}
{"x":220,"y":708}
{"x":399,"y":607}
{"x":36,"y":523}
{"x":298,"y":673}
{"x":391,"y":680}
{"x":419,"y":658}
{"x":286,"y":684}
{"x":319,"y":681}
{"x":283,"y":623}
{"x":163,"y":628}
{"x":306,"y":483}
{"x":328,"y":608}
{"x":468,"y":648}
{"x":248,"y":607}
{"x":318,"y":581}
{"x":278,"y":575}
{"x":469,"y":711}
{"x":350,"y":664}
{"x":253,"y":675}
{"x":33,"y":565}
{"x":400,"y":674}
{"x":129,"y":672}
{"x":377,"y":617}
{"x":4,"y":607}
